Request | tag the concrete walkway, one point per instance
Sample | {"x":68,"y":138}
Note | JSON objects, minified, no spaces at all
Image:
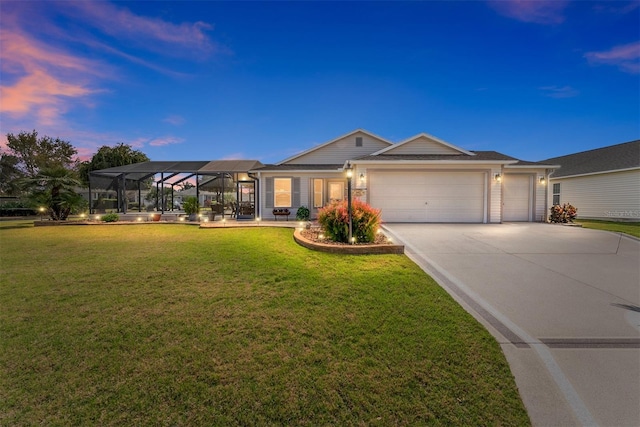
{"x":563,"y":302}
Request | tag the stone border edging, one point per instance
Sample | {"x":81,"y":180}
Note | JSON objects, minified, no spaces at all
{"x":347,"y":249}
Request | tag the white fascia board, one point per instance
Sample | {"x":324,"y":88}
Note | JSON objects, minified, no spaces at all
{"x":426,"y":135}
{"x":594,"y":173}
{"x":532,"y":166}
{"x":303,"y":171}
{"x":317,"y":147}
{"x":433,"y":162}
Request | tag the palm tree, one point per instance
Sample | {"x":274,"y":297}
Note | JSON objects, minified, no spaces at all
{"x":53,"y":188}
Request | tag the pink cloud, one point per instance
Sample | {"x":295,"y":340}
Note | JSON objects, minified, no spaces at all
{"x":626,"y":57}
{"x":165,"y":140}
{"x":45,"y":80}
{"x":546,"y":12}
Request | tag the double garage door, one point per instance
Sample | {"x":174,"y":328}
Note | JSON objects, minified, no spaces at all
{"x":429,"y":196}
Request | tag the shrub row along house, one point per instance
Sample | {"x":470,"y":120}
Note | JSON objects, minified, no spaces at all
{"x":421,"y":179}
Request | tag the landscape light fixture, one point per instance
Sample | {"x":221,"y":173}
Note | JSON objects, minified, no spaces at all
{"x":349,"y":170}
{"x":41,"y":212}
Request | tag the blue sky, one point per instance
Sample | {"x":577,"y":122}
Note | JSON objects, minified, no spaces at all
{"x":207,"y":80}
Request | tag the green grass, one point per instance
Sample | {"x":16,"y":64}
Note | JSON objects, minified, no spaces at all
{"x":630,"y":228}
{"x":173,"y":325}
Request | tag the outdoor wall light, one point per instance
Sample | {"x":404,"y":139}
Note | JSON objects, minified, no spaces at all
{"x":362,"y":177}
{"x":541,"y":180}
{"x":498,"y":177}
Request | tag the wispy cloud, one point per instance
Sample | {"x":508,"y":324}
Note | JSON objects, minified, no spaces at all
{"x":42,"y":81}
{"x":174,"y":119}
{"x":547,"y":12}
{"x":626,"y":57}
{"x":152,"y":33}
{"x":165,"y":140}
{"x":234,"y":156}
{"x":559,"y":91}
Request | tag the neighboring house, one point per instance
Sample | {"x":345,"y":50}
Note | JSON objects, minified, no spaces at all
{"x":603,"y":183}
{"x":421,"y":179}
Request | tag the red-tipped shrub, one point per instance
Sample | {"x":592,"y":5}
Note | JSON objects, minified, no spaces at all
{"x":334,"y":220}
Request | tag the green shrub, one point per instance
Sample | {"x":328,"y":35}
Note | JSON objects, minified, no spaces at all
{"x":303,"y":214}
{"x":191,"y":205}
{"x":111,"y":217}
{"x":334,"y":220}
{"x":564,"y":213}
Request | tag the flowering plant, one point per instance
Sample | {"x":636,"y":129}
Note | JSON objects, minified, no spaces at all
{"x":564,"y":213}
{"x":334,"y":220}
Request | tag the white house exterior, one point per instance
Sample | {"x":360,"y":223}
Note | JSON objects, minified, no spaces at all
{"x":421,"y":179}
{"x":602,"y":183}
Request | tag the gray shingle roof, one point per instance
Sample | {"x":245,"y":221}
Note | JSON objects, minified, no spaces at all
{"x":479,"y":156}
{"x":614,"y":157}
{"x":298,"y":167}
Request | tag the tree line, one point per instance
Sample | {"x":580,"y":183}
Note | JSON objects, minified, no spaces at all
{"x":45,"y":172}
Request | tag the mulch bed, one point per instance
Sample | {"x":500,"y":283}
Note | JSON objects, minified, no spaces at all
{"x":314,"y":233}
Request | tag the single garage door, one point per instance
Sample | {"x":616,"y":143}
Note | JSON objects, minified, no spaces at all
{"x":428,"y":196}
{"x":516,"y":197}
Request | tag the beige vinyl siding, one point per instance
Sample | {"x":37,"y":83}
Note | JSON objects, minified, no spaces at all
{"x":306,"y":190}
{"x":341,"y":150}
{"x":495,"y":197}
{"x":613,"y":195}
{"x":540,"y":208}
{"x":422,"y":145}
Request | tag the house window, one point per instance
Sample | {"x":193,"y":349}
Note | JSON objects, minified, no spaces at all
{"x":282,"y":192}
{"x":358,"y":141}
{"x":318,"y":196}
{"x":556,"y":194}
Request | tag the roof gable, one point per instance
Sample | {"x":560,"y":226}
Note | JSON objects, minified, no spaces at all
{"x":424,"y":144}
{"x":611,"y":158}
{"x":341,"y":149}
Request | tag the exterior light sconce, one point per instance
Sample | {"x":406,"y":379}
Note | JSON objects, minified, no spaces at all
{"x":541,"y":180}
{"x":498,"y":177}
{"x":362,"y":177}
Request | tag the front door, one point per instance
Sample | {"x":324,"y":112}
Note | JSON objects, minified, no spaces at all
{"x":246,"y":199}
{"x":336,"y":191}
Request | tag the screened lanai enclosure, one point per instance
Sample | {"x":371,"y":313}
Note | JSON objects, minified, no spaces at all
{"x":223,"y":188}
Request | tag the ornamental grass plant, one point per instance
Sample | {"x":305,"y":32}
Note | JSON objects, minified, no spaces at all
{"x":334,"y":220}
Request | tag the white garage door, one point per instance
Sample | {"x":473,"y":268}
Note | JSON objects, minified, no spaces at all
{"x":516,"y":197}
{"x":428,"y":196}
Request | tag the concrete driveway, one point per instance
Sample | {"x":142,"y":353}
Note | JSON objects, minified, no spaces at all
{"x":562,"y":301}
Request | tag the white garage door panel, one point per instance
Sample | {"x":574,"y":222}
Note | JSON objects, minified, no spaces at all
{"x":428,"y":196}
{"x":516,"y":197}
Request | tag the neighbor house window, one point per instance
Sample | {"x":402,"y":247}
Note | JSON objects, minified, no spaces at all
{"x":556,"y":194}
{"x":318,"y":193}
{"x":358,"y":141}
{"x":282,"y":192}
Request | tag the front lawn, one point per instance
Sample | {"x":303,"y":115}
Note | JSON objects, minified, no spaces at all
{"x":631,"y":228}
{"x":173,"y":325}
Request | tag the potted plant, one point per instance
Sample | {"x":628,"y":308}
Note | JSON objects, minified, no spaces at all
{"x":191,"y":207}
